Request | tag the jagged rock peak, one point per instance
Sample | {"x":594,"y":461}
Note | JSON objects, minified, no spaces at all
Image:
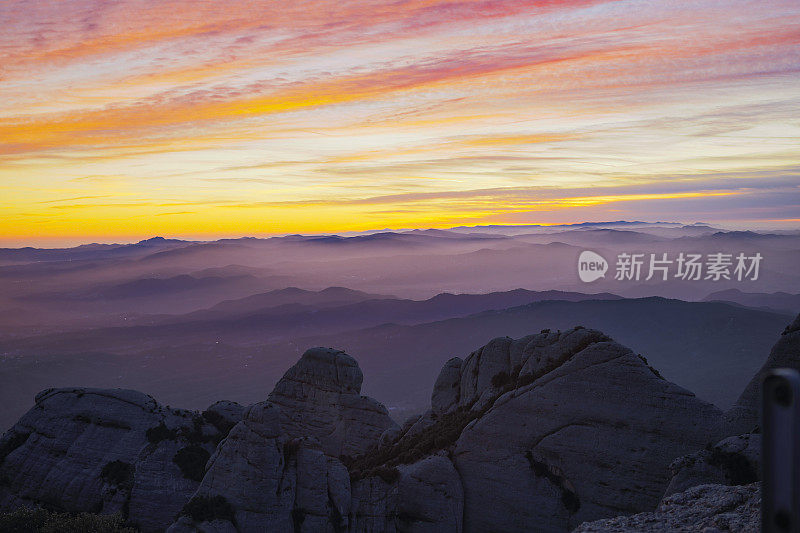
{"x":320,"y":397}
{"x":279,"y":469}
{"x":504,"y":361}
{"x":70,"y":394}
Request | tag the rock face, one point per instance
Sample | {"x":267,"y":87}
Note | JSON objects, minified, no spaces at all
{"x":279,"y":469}
{"x":105,"y":451}
{"x":540,"y":433}
{"x":590,"y":436}
{"x":744,"y":416}
{"x":733,"y":461}
{"x":270,"y":483}
{"x":704,"y":508}
{"x":447,"y":390}
{"x":425,"y":496}
{"x":320,"y":397}
{"x":550,"y":430}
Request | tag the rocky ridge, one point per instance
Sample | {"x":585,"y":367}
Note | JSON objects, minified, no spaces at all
{"x":548,"y":432}
{"x":108,"y":451}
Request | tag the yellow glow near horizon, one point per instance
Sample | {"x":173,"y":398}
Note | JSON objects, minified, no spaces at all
{"x":181,"y":119}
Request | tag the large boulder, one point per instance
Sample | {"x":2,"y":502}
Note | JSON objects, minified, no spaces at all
{"x":732,"y":461}
{"x":744,"y":416}
{"x":280,"y":468}
{"x":447,"y":390}
{"x":476,"y":380}
{"x":320,"y":397}
{"x":105,"y":451}
{"x":551,"y":430}
{"x":591,"y":436}
{"x":708,"y":508}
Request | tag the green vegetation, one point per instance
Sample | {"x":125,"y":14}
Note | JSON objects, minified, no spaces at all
{"x":208,"y":508}
{"x":653,"y":370}
{"x":160,"y":432}
{"x":223,"y":425}
{"x":388,"y":474}
{"x":42,"y":521}
{"x":192,"y":461}
{"x":500,"y":380}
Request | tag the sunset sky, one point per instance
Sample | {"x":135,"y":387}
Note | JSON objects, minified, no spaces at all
{"x":121,"y":120}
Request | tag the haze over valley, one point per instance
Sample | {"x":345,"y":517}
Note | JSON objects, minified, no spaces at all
{"x":194,"y":322}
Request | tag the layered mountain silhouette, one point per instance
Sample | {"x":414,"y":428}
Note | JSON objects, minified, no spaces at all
{"x":574,"y":411}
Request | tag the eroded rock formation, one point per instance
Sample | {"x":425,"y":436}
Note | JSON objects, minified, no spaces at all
{"x":542,"y":433}
{"x":105,"y":451}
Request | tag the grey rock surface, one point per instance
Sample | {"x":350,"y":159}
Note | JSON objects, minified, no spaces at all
{"x":446,"y":390}
{"x":279,"y":469}
{"x":224,"y":414}
{"x":422,"y":497}
{"x":732,"y":461}
{"x":540,"y":433}
{"x":89,"y":450}
{"x":546,"y":432}
{"x":592,"y":437}
{"x":320,"y":397}
{"x":708,"y":508}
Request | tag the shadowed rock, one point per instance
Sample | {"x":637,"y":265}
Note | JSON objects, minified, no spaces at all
{"x":539,"y":433}
{"x":733,"y":461}
{"x":320,"y":397}
{"x":744,"y":416}
{"x":279,"y":468}
{"x":108,"y":451}
{"x":705,"y":508}
{"x":547,"y":431}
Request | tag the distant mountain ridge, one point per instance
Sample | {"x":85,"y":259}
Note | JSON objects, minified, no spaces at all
{"x":711,"y":348}
{"x":783,"y":302}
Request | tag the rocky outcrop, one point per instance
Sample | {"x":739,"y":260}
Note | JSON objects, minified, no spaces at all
{"x":705,"y":508}
{"x":540,"y":433}
{"x":447,"y":390}
{"x":732,"y":461}
{"x":744,"y":416}
{"x":552,"y":429}
{"x":106,"y":451}
{"x":425,"y":496}
{"x":320,"y":397}
{"x":478,"y":379}
{"x":266,"y":482}
{"x":279,"y":468}
{"x":591,"y":436}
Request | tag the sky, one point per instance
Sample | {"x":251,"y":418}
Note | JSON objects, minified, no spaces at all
{"x":125,"y":119}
